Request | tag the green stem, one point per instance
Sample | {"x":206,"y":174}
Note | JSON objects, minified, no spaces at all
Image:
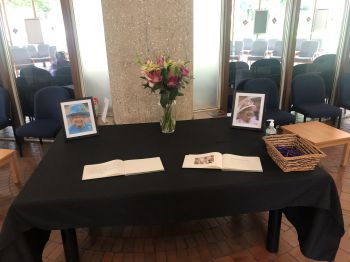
{"x":168,"y":122}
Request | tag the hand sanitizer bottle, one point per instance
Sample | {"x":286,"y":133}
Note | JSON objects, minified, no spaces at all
{"x":271,"y":130}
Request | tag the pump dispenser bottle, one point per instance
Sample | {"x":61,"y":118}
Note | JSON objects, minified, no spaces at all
{"x":271,"y":130}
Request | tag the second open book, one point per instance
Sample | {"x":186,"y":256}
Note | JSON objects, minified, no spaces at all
{"x":228,"y":162}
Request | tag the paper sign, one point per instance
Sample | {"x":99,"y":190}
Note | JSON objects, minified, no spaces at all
{"x":105,"y":109}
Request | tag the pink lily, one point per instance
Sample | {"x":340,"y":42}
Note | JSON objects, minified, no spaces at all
{"x":185,"y":71}
{"x":160,"y":61}
{"x":173,"y":81}
{"x":154,"y":77}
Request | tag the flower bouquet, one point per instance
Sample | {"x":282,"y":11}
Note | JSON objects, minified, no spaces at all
{"x":167,"y":77}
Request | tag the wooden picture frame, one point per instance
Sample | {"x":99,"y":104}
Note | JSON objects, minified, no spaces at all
{"x":79,"y":118}
{"x":248,"y":110}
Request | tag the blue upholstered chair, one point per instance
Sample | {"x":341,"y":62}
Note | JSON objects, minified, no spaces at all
{"x":63,"y":76}
{"x":234,"y":72}
{"x":31,"y":49}
{"x":308,"y":98}
{"x":43,"y":51}
{"x":247,"y":44}
{"x":300,"y":69}
{"x":307,"y":52}
{"x":6,"y":117}
{"x":344,"y":91}
{"x":298,"y":43}
{"x":21,"y":58}
{"x":267,"y":68}
{"x":258,"y":51}
{"x":277,"y":50}
{"x":269,"y":87}
{"x":236,"y":50}
{"x":238,"y":72}
{"x":271,"y":44}
{"x":5,"y":110}
{"x":31,"y":80}
{"x":325,"y":66}
{"x":47,"y":121}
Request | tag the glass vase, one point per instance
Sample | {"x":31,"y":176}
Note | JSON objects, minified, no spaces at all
{"x":168,"y":121}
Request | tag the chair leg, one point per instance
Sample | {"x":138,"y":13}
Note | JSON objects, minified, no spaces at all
{"x":20,"y":144}
{"x":320,"y":119}
{"x":339,"y":121}
{"x":14,"y":134}
{"x":304,"y":118}
{"x":41,"y":141}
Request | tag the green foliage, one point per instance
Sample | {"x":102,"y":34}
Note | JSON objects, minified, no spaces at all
{"x":42,"y":5}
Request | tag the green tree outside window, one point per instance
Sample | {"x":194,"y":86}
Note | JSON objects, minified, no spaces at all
{"x":42,"y":5}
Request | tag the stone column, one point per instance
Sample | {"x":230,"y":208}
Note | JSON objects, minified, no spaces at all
{"x":145,"y":28}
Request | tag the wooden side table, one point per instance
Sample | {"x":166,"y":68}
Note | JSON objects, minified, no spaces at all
{"x":322,"y":135}
{"x":8,"y":156}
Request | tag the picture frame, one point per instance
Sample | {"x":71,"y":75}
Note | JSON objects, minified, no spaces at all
{"x":248,"y":110}
{"x":79,"y":118}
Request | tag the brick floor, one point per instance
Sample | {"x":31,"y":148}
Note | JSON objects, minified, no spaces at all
{"x":222,"y":239}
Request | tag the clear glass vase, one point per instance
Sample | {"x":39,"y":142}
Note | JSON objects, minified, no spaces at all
{"x":168,"y":121}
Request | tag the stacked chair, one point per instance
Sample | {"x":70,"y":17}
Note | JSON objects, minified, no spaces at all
{"x":236,"y":50}
{"x":325,"y":66}
{"x":267,"y":68}
{"x":269,"y":88}
{"x":31,"y":80}
{"x":235,"y":75}
{"x":47,"y":118}
{"x":258,"y":51}
{"x":247,"y":44}
{"x":344,"y":92}
{"x":309,"y":96}
{"x":277,"y":51}
{"x":307,"y":52}
{"x":6,"y":116}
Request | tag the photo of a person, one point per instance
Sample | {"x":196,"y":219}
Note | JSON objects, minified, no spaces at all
{"x":248,"y":111}
{"x":79,"y":118}
{"x":204,"y":160}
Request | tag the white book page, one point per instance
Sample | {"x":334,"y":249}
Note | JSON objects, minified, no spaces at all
{"x":211,"y":160}
{"x":140,"y":166}
{"x":241,"y":163}
{"x":107,"y":169}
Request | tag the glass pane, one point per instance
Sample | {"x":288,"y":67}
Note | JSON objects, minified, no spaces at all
{"x":92,"y":49}
{"x":256,"y":43}
{"x":206,"y":51}
{"x":317,"y":40}
{"x":37,"y":41}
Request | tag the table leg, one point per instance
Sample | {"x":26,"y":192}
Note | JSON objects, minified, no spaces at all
{"x":70,"y":245}
{"x":346,"y":152}
{"x":14,"y":170}
{"x":273,"y":230}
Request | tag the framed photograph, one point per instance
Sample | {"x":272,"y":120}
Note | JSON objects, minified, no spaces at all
{"x":78,"y":118}
{"x":248,"y":110}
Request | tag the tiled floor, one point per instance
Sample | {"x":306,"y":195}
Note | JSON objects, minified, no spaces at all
{"x":222,"y":239}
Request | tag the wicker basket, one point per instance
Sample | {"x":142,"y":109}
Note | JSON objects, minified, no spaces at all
{"x":308,"y":161}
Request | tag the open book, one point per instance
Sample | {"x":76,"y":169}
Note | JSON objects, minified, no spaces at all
{"x":120,"y":168}
{"x":226,"y":162}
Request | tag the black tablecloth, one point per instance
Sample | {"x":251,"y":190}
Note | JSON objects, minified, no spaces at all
{"x":55,"y":197}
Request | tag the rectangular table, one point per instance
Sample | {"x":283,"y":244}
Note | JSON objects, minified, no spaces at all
{"x":55,"y":197}
{"x":321,"y":135}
